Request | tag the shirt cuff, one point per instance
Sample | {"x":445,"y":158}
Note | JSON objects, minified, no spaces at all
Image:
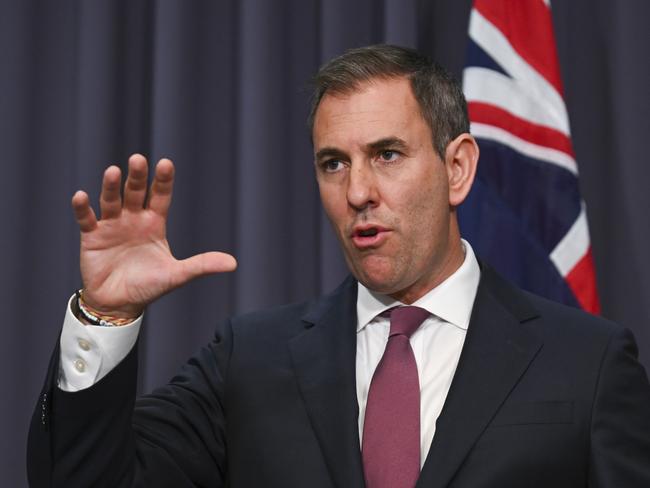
{"x":90,"y":352}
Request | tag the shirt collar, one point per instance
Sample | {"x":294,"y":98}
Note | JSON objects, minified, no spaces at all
{"x":452,"y":300}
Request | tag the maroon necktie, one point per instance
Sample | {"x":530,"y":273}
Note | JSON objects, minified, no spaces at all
{"x":391,"y":430}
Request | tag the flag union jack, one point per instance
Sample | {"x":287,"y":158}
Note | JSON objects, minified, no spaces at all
{"x":524,"y":215}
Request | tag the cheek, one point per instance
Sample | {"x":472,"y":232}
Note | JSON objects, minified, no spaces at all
{"x":426,"y":213}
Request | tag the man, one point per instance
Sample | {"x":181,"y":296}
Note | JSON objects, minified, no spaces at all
{"x":488,"y":387}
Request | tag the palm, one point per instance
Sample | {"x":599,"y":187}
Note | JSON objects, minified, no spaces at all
{"x":125,"y":259}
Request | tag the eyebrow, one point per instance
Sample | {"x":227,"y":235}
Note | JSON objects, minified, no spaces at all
{"x":330,"y":152}
{"x":387,"y":142}
{"x":375,"y":146}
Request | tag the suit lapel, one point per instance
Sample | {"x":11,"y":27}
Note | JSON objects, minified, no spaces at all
{"x":324,"y":363}
{"x":496,"y":353}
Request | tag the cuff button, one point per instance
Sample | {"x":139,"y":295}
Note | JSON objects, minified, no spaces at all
{"x":80,"y":366}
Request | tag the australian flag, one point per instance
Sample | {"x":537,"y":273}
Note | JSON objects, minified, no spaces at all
{"x":524,"y":214}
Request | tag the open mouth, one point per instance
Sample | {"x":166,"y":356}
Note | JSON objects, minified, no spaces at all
{"x":373,"y":231}
{"x":369,"y":237}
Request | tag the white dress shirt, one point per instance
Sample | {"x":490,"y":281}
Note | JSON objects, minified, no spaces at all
{"x":436,"y":344}
{"x":88,"y":353}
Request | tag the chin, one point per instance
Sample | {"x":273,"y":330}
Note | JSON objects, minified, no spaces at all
{"x":376,"y":276}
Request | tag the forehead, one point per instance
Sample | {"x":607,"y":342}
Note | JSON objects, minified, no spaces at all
{"x":375,"y":109}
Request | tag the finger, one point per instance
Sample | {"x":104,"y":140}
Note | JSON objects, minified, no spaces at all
{"x":160,"y":196}
{"x":135,"y":187}
{"x":83,"y":212}
{"x":204,"y":264}
{"x":110,"y":202}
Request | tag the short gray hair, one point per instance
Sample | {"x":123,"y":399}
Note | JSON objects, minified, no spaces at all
{"x":439,"y":96}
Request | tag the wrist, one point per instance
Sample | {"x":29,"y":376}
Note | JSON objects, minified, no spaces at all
{"x":91,"y":315}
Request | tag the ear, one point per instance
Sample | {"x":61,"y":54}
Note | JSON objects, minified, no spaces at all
{"x":461,"y":158}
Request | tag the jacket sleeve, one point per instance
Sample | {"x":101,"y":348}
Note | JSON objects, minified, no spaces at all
{"x":103,"y":437}
{"x":620,"y":424}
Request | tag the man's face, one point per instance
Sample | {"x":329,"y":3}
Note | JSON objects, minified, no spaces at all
{"x":384,"y":188}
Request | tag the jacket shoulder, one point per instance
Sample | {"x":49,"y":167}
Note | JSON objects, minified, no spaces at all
{"x":544,"y":315}
{"x":292,"y":315}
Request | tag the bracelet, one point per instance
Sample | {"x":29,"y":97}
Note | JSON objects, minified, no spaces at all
{"x":97,"y":318}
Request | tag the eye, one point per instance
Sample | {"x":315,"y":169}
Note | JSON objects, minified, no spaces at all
{"x":389,"y":155}
{"x":332,"y":165}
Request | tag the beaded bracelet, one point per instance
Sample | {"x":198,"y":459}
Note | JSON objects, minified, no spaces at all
{"x":97,"y":318}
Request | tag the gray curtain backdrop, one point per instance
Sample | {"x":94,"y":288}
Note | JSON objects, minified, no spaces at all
{"x":220,"y":87}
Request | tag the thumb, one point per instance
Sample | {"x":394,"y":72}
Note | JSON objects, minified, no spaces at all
{"x":204,"y":264}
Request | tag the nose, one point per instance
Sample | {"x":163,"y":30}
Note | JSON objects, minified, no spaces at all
{"x":362,"y":187}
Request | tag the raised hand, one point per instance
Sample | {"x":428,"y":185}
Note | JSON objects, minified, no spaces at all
{"x":125,"y":259}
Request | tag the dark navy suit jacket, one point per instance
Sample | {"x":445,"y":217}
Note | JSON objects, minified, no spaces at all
{"x":543,"y":396}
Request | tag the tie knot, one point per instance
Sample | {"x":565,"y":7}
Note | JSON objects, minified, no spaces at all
{"x":406,"y":320}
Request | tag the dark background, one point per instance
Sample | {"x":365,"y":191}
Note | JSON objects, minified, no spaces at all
{"x":220,"y":87}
